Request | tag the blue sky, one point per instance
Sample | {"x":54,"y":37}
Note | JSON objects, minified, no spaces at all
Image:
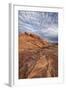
{"x":44,"y":24}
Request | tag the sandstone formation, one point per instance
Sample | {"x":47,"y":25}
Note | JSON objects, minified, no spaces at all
{"x":37,"y":57}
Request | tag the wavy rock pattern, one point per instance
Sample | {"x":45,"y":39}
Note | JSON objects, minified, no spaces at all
{"x":37,"y":57}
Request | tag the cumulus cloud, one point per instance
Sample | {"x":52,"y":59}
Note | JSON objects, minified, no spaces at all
{"x":44,"y":24}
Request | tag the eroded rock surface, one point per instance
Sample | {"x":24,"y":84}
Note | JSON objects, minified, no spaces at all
{"x":37,"y":57}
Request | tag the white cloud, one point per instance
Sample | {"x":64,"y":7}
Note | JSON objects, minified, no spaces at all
{"x":43,"y":23}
